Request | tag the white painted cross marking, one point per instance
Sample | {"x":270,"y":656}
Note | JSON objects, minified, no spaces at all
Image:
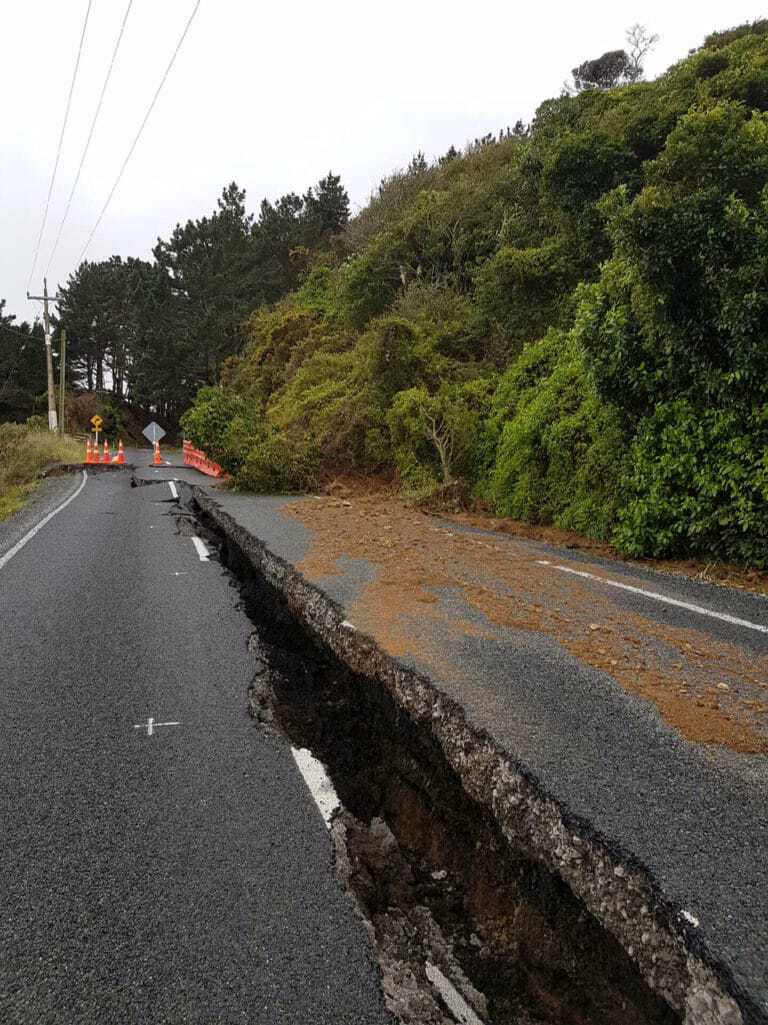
{"x":150,"y":725}
{"x":172,"y":486}
{"x":658,"y":597}
{"x":203,"y":553}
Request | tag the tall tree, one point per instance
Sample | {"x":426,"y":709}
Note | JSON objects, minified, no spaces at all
{"x":23,"y":380}
{"x":212,"y":267}
{"x":615,"y":67}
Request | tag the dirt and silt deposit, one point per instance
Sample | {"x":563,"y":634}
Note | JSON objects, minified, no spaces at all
{"x":707,"y":689}
{"x":465,"y":868}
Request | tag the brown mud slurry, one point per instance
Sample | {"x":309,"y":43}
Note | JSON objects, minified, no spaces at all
{"x":709,"y":690}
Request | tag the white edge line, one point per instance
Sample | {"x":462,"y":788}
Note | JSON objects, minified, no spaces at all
{"x":734,"y":620}
{"x":172,"y":486}
{"x":318,"y":782}
{"x":455,"y":1002}
{"x":200,"y":548}
{"x":46,"y":519}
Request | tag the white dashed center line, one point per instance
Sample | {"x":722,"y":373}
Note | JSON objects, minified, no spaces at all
{"x":172,"y":486}
{"x":699,"y":609}
{"x":203,"y":553}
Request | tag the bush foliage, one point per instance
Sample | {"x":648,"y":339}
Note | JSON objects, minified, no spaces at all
{"x":571,"y":318}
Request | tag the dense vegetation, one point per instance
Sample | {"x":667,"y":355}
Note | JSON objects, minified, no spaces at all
{"x":570,"y":318}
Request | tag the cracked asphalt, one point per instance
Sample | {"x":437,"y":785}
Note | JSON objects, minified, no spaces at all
{"x":693,"y":814}
{"x":183,"y":877}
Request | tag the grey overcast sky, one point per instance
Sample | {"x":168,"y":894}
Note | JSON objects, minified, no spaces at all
{"x":273,"y":95}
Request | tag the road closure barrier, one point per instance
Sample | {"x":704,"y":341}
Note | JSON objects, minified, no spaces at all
{"x":196,"y":458}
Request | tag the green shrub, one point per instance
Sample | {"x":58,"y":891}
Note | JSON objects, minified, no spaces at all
{"x":559,"y":453}
{"x":273,"y":466}
{"x":224,"y":425}
{"x":526,"y":290}
{"x":434,"y":435}
{"x":697,"y":483}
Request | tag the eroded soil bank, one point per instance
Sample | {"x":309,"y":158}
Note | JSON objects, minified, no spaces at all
{"x":460,"y":863}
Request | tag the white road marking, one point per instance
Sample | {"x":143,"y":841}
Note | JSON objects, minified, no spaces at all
{"x":46,"y":519}
{"x":453,"y":1000}
{"x":317,"y":780}
{"x":172,"y":486}
{"x":734,"y":620}
{"x":202,"y":551}
{"x":150,"y":725}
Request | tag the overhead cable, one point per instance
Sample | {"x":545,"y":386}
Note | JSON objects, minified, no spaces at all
{"x":61,"y":142}
{"x":90,"y":136}
{"x":129,"y":154}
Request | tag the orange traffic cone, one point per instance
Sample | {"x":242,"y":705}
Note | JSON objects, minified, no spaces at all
{"x":105,"y":458}
{"x":120,"y":453}
{"x":87,"y":451}
{"x":157,"y":460}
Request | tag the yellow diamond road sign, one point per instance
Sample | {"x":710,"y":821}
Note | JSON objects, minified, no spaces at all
{"x":97,"y":422}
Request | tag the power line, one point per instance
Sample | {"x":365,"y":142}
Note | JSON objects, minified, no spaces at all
{"x":138,"y":134}
{"x":90,"y":136}
{"x":61,"y":141}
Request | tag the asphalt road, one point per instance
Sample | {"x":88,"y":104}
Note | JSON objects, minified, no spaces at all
{"x":695,"y":815}
{"x":180,"y":877}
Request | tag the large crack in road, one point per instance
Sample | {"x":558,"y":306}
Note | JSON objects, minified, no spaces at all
{"x":484,"y":903}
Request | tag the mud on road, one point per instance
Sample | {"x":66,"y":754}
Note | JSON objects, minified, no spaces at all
{"x":464,"y":868}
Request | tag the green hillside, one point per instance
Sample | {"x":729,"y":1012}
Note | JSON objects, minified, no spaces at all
{"x":571,"y":319}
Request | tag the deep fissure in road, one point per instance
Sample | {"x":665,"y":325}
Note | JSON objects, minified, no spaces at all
{"x":445,"y":893}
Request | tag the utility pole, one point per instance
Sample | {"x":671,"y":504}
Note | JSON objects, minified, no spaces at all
{"x":52,"y":418}
{"x":62,"y":378}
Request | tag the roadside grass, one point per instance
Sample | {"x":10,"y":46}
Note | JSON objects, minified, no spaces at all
{"x":24,"y":452}
{"x":14,"y":498}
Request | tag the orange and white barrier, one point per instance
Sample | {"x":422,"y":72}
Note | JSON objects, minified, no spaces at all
{"x":196,"y":458}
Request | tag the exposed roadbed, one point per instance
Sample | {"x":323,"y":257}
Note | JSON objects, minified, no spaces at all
{"x":671,"y":825}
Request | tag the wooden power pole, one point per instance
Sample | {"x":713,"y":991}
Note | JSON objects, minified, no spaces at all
{"x":62,"y":377}
{"x":44,"y":298}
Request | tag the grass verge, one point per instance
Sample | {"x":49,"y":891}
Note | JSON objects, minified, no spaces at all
{"x":24,"y":453}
